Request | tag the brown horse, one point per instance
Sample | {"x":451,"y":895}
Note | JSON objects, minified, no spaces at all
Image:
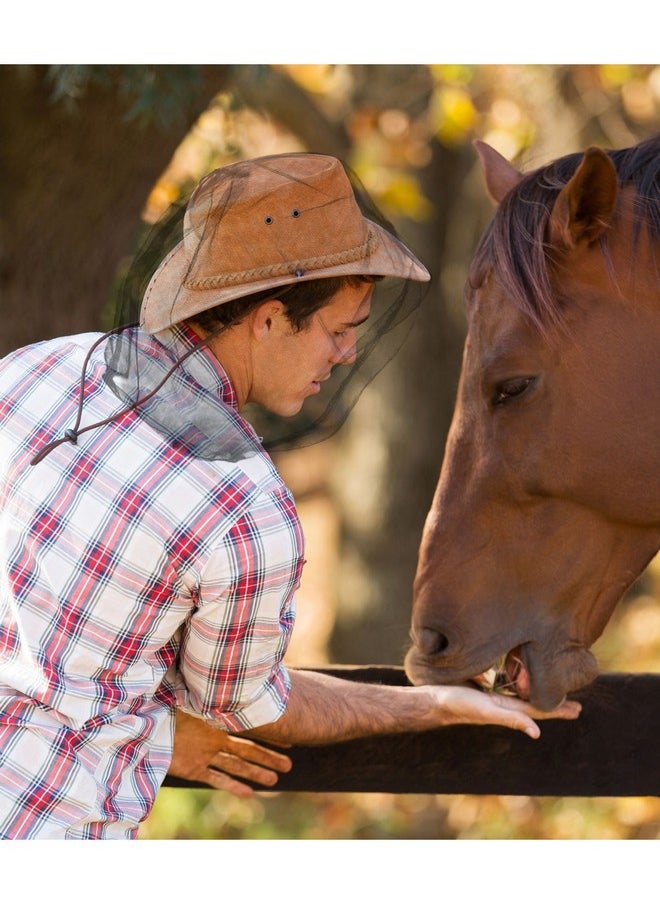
{"x":548,"y":503}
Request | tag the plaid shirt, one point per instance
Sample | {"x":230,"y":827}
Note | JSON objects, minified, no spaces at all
{"x":133,"y":578}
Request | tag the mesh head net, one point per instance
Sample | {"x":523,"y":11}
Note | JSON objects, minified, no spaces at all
{"x":269,"y":228}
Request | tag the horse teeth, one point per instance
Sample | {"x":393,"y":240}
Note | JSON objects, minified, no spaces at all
{"x":495,"y":679}
{"x":486,"y":680}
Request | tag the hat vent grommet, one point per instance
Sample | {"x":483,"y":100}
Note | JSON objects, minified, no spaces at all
{"x":268,"y":220}
{"x":295,"y":212}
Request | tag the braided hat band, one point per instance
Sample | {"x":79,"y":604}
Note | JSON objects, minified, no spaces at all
{"x":300,"y":267}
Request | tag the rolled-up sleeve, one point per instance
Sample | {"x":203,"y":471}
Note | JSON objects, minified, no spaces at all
{"x":233,"y":645}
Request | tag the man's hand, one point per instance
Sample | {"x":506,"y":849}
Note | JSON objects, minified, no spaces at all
{"x":208,"y":755}
{"x":464,"y":705}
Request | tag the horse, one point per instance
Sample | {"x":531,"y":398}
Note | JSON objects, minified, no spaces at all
{"x":547,"y":506}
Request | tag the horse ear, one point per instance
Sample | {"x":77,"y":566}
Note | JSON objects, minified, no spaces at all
{"x":585,"y":205}
{"x":500,"y":175}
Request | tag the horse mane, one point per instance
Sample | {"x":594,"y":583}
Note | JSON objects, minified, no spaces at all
{"x":514,"y":242}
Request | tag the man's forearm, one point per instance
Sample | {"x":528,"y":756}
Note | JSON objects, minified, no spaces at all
{"x":323,"y":709}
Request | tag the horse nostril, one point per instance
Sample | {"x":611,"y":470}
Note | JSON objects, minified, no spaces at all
{"x":431,"y":642}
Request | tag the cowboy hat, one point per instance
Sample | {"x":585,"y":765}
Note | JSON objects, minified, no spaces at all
{"x":268,"y":222}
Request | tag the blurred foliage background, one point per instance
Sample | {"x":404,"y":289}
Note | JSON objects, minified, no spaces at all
{"x":90,"y":153}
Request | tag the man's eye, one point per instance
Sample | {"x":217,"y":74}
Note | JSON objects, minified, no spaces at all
{"x":511,"y":389}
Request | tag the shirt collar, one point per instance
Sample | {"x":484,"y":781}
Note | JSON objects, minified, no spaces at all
{"x":202,"y":366}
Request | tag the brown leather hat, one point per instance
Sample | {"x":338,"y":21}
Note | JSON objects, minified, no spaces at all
{"x":268,"y":222}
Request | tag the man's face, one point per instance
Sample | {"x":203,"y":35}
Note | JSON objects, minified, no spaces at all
{"x":292,"y":365}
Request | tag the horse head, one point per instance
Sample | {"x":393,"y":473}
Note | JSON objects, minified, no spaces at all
{"x":548,"y":502}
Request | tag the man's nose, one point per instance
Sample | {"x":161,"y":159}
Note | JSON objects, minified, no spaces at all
{"x":344,"y":352}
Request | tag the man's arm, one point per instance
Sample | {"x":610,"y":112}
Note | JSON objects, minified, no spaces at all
{"x":323,"y":709}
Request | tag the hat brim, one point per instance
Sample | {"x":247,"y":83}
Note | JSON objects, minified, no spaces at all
{"x":168,"y":301}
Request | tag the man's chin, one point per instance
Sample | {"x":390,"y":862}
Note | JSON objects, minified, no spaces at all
{"x":286,"y":411}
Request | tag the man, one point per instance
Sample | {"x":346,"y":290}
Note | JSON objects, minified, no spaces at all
{"x":150,"y":549}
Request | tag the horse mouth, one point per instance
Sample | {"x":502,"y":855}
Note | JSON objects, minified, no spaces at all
{"x":509,"y":675}
{"x":539,"y":674}
{"x":542,"y":678}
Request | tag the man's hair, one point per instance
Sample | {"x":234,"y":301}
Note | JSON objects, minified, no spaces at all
{"x":301,"y":301}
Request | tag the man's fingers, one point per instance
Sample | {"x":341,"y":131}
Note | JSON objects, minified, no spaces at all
{"x":226,"y":762}
{"x":222,"y":782}
{"x":569,"y":709}
{"x":523,"y":714}
{"x":255,"y":753}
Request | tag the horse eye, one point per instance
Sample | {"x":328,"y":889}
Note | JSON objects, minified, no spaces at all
{"x":511,"y":389}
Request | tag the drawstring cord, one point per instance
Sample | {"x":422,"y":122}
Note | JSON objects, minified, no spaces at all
{"x":71,"y":435}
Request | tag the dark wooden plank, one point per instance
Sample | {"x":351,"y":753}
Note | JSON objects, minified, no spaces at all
{"x":612,"y":750}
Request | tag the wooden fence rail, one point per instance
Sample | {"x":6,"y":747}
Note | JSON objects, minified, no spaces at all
{"x":612,"y":750}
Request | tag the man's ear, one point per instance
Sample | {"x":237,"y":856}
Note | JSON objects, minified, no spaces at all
{"x":267,"y":317}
